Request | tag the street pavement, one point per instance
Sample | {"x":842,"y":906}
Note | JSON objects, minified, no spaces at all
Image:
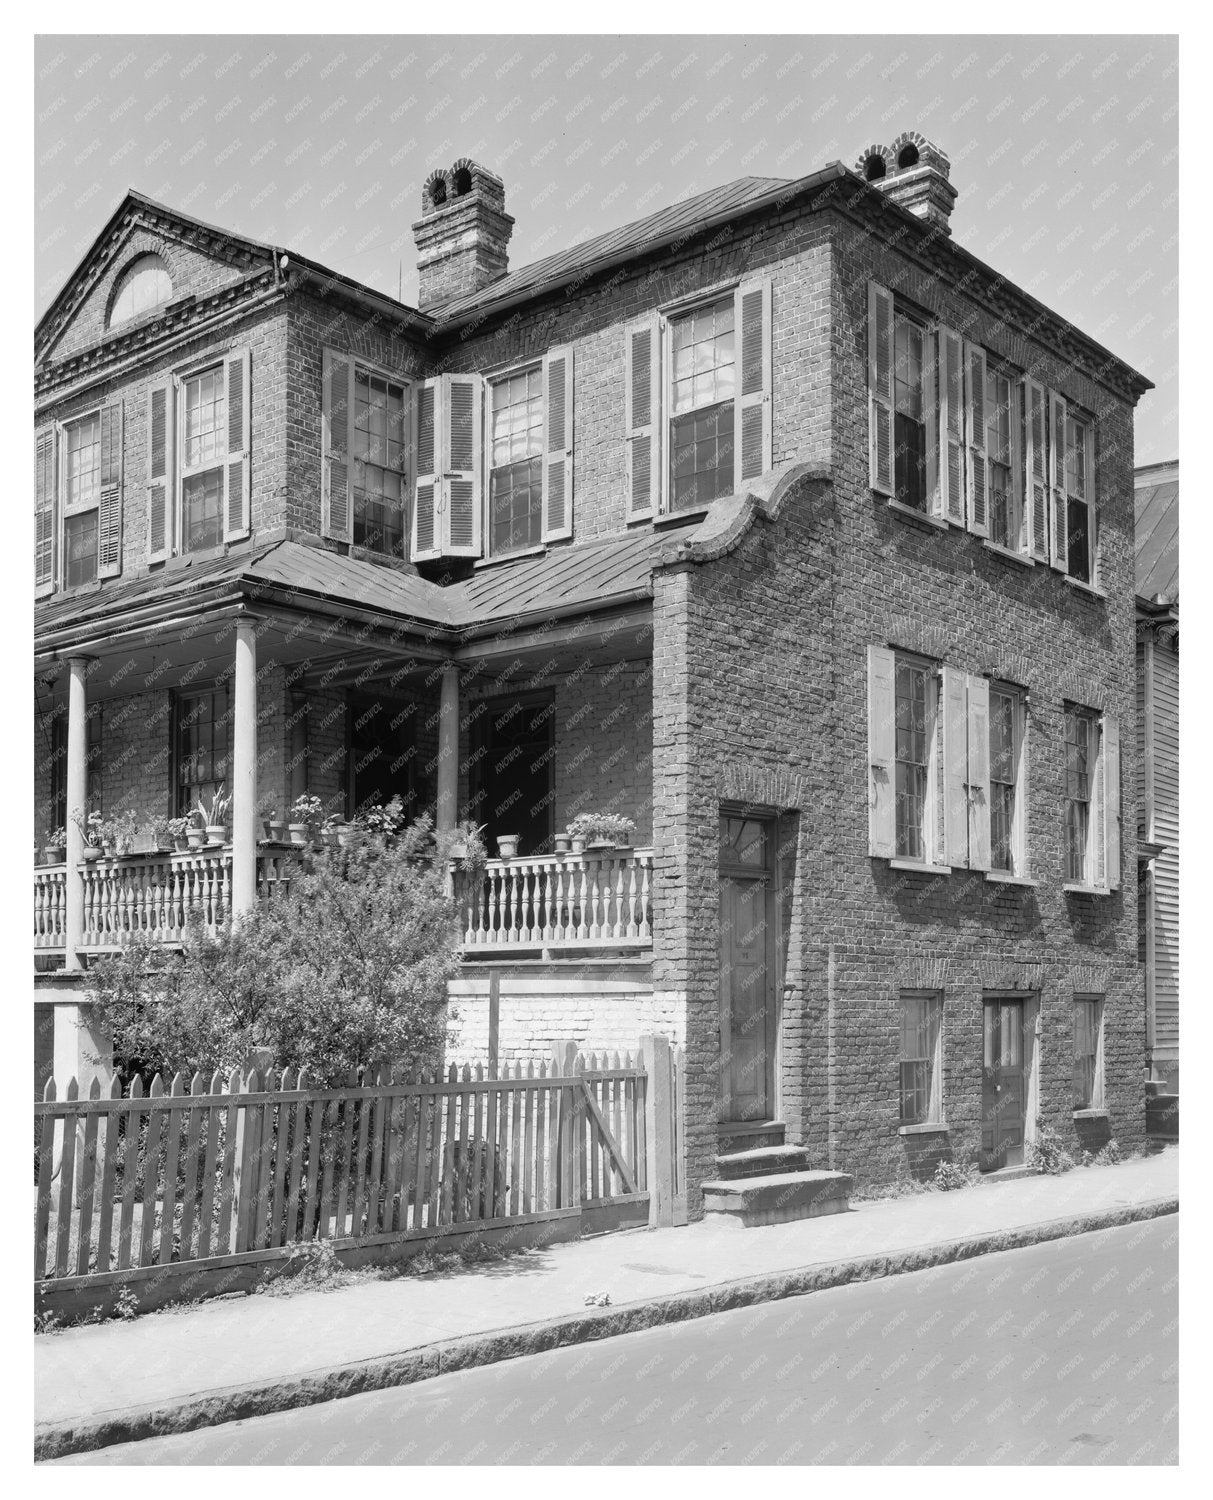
{"x":1059,"y":1353}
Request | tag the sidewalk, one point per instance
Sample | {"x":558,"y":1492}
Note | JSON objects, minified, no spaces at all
{"x":177,"y":1370}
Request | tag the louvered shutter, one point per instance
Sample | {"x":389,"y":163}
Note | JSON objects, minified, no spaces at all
{"x":558,"y":444}
{"x":1097,"y":832}
{"x":109,"y":509}
{"x":932,"y":411}
{"x":880,"y":388}
{"x":752,"y":409}
{"x":977,"y":472}
{"x":642,"y":364}
{"x":425,"y":508}
{"x":460,"y":495}
{"x":44,"y":511}
{"x":161,"y":432}
{"x":951,"y":424}
{"x":1057,"y":479}
{"x":979,"y":772}
{"x":1036,"y":466}
{"x":1022,"y":536}
{"x":882,"y":752}
{"x":237,"y":477}
{"x":1089,"y":497}
{"x":336,"y":501}
{"x":955,"y":767}
{"x":1112,"y":812}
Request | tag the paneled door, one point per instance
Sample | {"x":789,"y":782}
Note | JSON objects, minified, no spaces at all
{"x":1003,"y":1086}
{"x":747,"y":969}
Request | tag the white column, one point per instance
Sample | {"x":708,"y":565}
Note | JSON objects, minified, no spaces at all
{"x":244,"y":769}
{"x":448,"y":748}
{"x":77,"y":795}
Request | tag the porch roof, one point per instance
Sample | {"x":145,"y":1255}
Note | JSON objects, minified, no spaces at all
{"x":286,"y":573}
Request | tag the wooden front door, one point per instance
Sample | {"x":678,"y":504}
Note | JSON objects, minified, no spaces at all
{"x":747,"y":969}
{"x":1003,"y":1084}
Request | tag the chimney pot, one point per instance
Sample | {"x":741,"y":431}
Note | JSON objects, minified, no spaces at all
{"x":913,"y":171}
{"x":463,"y":234}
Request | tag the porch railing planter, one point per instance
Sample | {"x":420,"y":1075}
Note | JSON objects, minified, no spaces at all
{"x":596,"y":899}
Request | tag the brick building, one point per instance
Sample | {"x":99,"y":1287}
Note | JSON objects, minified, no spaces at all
{"x":775,"y":521}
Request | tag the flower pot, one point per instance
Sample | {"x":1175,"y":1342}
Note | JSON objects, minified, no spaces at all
{"x":298,"y":833}
{"x":181,"y":843}
{"x":53,"y":855}
{"x":345,"y":835}
{"x":507,"y":845}
{"x":216,"y":833}
{"x":278,"y":833}
{"x":196,"y":838}
{"x":578,"y":846}
{"x":601,"y":844}
{"x":91,"y":851}
{"x":107,"y":848}
{"x":562,"y":843}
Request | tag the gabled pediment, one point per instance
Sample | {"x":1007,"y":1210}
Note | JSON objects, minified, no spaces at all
{"x":199,"y":260}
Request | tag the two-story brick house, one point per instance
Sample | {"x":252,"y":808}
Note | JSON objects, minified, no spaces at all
{"x":775,"y":521}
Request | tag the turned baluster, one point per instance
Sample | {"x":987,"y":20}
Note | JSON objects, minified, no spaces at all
{"x":646,"y":929}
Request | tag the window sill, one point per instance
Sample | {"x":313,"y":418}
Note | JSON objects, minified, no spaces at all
{"x":1091,"y":1114}
{"x":928,"y":1127}
{"x":917,"y":869}
{"x":677,"y":517}
{"x":1007,"y":555}
{"x":1076,"y":888}
{"x":916,"y":517}
{"x":1004,"y":877}
{"x":505,"y":557}
{"x":1083,"y":588}
{"x":641,"y":518}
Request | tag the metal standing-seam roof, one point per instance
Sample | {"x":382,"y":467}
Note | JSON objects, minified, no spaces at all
{"x":1156,"y":520}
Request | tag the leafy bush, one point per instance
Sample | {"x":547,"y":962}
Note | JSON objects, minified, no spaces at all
{"x":950,"y":1175}
{"x":349,"y":968}
{"x":1047,"y":1155}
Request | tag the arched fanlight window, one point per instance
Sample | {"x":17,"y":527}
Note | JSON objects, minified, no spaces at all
{"x":145,"y":285}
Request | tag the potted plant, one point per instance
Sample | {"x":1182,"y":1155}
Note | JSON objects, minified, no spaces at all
{"x":177,"y":829}
{"x":90,"y":825}
{"x":214,"y":816}
{"x":158,"y":831}
{"x":563,"y":843}
{"x":277,"y":830}
{"x":600,"y":830}
{"x":195,"y":830}
{"x":507,"y":845}
{"x":55,"y":851}
{"x":118,"y":833}
{"x":306,"y":812}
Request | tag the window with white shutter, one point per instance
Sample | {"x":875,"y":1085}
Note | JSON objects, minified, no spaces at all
{"x":366,"y":443}
{"x":447,"y":508}
{"x":880,"y":388}
{"x":90,"y":496}
{"x":44,"y":512}
{"x":237,"y":516}
{"x":642,"y":425}
{"x":752,"y":434}
{"x":1036,"y":466}
{"x":1057,"y":481}
{"x":907,"y":767}
{"x":976,"y":436}
{"x":558,"y":444}
{"x":1092,"y":800}
{"x":109,"y":523}
{"x":1007,"y":795}
{"x":161,"y":444}
{"x":519,"y":428}
{"x":213,"y":479}
{"x":336,"y":502}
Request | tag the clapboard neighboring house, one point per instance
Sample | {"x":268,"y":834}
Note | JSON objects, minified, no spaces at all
{"x":1156,"y":498}
{"x":776,"y":521}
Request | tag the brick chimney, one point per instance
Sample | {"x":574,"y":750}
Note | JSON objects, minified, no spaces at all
{"x":913,"y":171}
{"x":463,"y":232}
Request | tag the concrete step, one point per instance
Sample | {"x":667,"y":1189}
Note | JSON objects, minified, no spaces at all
{"x":778,"y":1198}
{"x":761,"y":1161}
{"x":740,"y":1135}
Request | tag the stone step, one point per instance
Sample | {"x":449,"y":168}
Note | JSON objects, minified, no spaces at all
{"x":742,"y":1136}
{"x":761,"y":1161}
{"x":778,"y":1198}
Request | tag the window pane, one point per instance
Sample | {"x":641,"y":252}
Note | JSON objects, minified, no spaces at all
{"x":80,"y":544}
{"x":516,"y":506}
{"x":704,"y":370}
{"x":1079,"y":741}
{"x":84,"y":461}
{"x":744,"y":842}
{"x":203,"y":748}
{"x":202,"y":506}
{"x":919,"y":1043}
{"x":913,"y":759}
{"x":1002,"y":781}
{"x":701,"y":457}
{"x":378,"y":443}
{"x":517,"y":418}
{"x":1086,"y":1052}
{"x":205,"y":424}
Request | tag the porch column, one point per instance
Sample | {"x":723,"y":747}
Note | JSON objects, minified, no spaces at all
{"x":244,"y":769}
{"x":77,"y":795}
{"x":448,"y":748}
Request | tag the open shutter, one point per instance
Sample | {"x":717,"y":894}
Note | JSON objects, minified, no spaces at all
{"x":1112,"y":818}
{"x":459,"y":504}
{"x":161,"y":430}
{"x":1036,"y":466}
{"x":109,"y":510}
{"x":979,"y":772}
{"x":932,"y":410}
{"x":882,"y":752}
{"x":642,"y":364}
{"x":557,"y":444}
{"x":752,"y":410}
{"x":1057,"y":478}
{"x":951,"y":424}
{"x":975,"y":439}
{"x":955,"y":767}
{"x":44,"y":511}
{"x":1089,"y":496}
{"x":237,"y":503}
{"x":425,"y":508}
{"x":1021,"y":540}
{"x":336,"y":502}
{"x":880,"y":388}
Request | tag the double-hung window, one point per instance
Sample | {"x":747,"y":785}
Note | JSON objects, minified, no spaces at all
{"x":1082,"y":741}
{"x":516,"y":462}
{"x":1088,"y":1052}
{"x":1079,"y":510}
{"x":1002,"y":450}
{"x":909,"y":412}
{"x":203,"y":749}
{"x":380,"y":442}
{"x":920,"y":1087}
{"x":78,"y":500}
{"x":703,"y":382}
{"x":203,"y":451}
{"x":81,"y":498}
{"x":1091,"y":855}
{"x":1007,"y":780}
{"x":917,"y":697}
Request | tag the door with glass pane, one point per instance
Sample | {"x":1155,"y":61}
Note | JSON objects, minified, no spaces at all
{"x":747,"y":969}
{"x":1003,"y":1089}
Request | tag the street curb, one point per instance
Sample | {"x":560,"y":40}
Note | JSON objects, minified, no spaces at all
{"x":467,"y":1351}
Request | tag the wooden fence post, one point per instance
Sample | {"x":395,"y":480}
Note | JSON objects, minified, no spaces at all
{"x":564,"y":1057}
{"x":659,"y":1129}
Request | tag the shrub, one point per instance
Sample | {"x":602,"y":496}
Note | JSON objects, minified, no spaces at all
{"x":950,"y":1175}
{"x":1047,"y":1155}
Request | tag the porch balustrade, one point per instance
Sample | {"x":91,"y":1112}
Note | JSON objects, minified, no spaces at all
{"x":597,"y":899}
{"x":600,"y":899}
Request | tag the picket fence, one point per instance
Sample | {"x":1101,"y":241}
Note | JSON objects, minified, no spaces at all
{"x":217,"y":1171}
